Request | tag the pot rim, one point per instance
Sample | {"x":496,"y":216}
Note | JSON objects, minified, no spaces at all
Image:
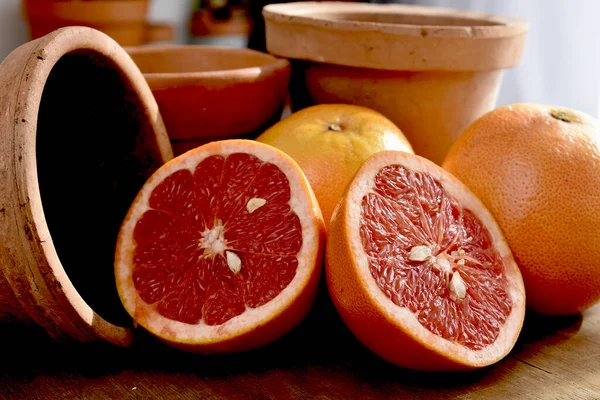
{"x":332,"y":32}
{"x":243,"y":74}
{"x":63,"y":304}
{"x":316,"y":14}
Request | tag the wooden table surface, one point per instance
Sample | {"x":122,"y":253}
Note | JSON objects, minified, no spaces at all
{"x":555,"y":358}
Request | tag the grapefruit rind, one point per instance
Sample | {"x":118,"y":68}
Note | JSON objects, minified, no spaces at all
{"x":302,"y":202}
{"x":416,"y":347}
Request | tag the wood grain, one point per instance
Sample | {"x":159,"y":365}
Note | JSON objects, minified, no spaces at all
{"x":555,"y":358}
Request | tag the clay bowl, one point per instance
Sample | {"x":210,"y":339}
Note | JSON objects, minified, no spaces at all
{"x":432,"y":71}
{"x":122,"y":20}
{"x":209,"y":93}
{"x":80,"y":133}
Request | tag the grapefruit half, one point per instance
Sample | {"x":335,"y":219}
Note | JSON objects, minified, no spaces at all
{"x":222,"y":248}
{"x":419,"y":270}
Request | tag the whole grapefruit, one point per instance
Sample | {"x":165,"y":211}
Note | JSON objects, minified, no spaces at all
{"x":330,"y":142}
{"x":537,"y":169}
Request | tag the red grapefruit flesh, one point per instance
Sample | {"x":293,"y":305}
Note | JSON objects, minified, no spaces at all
{"x":221,"y":250}
{"x":419,"y":269}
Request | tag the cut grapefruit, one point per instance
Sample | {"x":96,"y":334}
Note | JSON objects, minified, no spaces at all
{"x":222,"y":248}
{"x":419,"y":270}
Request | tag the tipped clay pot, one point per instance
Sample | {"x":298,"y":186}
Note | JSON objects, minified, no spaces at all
{"x":122,"y":20}
{"x":80,"y":134}
{"x":431,"y":71}
{"x":212,"y":93}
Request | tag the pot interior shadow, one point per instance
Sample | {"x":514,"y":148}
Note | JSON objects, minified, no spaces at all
{"x":95,"y":148}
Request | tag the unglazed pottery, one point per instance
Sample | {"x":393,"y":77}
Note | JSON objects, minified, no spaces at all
{"x":122,"y":20}
{"x":432,"y":71}
{"x":208,"y":93}
{"x":80,"y":133}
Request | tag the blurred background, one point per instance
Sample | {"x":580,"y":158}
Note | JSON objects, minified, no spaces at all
{"x":561,"y":64}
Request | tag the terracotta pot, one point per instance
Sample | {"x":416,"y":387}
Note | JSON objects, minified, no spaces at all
{"x":182,"y":146}
{"x":81,"y":133}
{"x":157,"y":33}
{"x":124,"y":20}
{"x":208,"y":93}
{"x":432,"y":71}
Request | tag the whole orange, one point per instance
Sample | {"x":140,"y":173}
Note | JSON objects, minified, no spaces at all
{"x":330,"y":142}
{"x":537,"y":169}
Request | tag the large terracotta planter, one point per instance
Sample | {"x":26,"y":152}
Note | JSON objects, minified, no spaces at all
{"x":431,"y":71}
{"x":210,"y":93}
{"x":80,"y":133}
{"x":122,"y":20}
